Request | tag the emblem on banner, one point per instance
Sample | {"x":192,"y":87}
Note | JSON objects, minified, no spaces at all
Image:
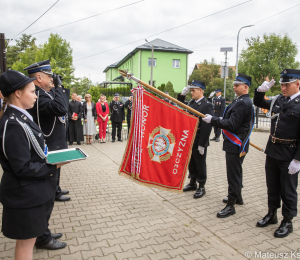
{"x":161,"y":144}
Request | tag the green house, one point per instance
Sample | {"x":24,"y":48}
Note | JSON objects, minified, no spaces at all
{"x":170,"y":63}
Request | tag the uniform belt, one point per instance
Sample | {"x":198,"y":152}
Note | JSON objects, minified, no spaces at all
{"x":217,"y":111}
{"x":276,"y":140}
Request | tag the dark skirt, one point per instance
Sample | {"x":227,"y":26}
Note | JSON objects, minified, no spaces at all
{"x":24,"y":223}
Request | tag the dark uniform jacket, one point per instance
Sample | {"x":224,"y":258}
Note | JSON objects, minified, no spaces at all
{"x":48,"y":110}
{"x":204,"y":129}
{"x":84,"y":109}
{"x":288,"y":126}
{"x":219,"y":105}
{"x":117,"y":111}
{"x":128,"y":105}
{"x":27,"y":181}
{"x":237,"y":119}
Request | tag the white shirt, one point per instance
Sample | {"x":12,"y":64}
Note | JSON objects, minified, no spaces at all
{"x":199,"y":99}
{"x":294,"y":96}
{"x":22,"y":111}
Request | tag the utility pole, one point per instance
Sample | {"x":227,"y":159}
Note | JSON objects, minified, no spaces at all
{"x":226,"y":49}
{"x":2,"y":53}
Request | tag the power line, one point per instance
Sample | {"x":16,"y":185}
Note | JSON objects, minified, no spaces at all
{"x":88,"y":17}
{"x":165,"y":30}
{"x":254,"y":23}
{"x":37,"y":19}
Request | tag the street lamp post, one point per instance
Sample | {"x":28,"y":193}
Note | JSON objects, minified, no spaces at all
{"x":151,"y":78}
{"x":237,"y":49}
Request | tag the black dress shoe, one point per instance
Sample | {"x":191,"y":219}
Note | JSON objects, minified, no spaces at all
{"x":53,"y":245}
{"x":78,"y":143}
{"x":191,"y":186}
{"x":228,"y":210}
{"x":199,"y":193}
{"x":56,"y":236}
{"x":213,"y":139}
{"x":217,"y":139}
{"x":64,"y":192}
{"x":120,"y":140}
{"x":70,"y":143}
{"x":113,"y":140}
{"x":63,"y":198}
{"x":285,"y":228}
{"x":239,"y":201}
{"x":270,"y":218}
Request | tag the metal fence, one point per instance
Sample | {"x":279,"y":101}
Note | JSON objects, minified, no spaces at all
{"x":260,"y":116}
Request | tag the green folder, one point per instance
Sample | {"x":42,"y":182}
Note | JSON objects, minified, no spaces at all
{"x":65,"y":155}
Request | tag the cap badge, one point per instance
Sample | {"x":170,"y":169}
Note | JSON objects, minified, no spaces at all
{"x":285,"y":72}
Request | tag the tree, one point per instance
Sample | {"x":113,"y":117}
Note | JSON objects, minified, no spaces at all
{"x":59,"y":52}
{"x":169,"y":88}
{"x":81,"y":86}
{"x":266,"y":57}
{"x":95,"y":92}
{"x":161,"y":87}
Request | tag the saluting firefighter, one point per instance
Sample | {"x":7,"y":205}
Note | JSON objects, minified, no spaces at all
{"x":219,"y":107}
{"x":237,"y":124}
{"x":128,"y":106}
{"x":49,"y":113}
{"x":283,"y":150}
{"x":197,"y":166}
{"x":117,"y":117}
{"x":28,"y":184}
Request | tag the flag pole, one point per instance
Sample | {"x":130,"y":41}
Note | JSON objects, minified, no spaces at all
{"x":130,"y":76}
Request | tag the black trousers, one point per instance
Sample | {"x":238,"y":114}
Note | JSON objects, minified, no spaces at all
{"x":128,"y":123}
{"x":281,"y":186}
{"x":217,"y":130}
{"x":114,"y":126}
{"x":46,"y":237}
{"x":197,"y":166}
{"x":58,"y":189}
{"x":234,"y":174}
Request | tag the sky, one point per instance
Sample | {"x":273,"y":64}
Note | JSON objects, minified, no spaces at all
{"x":131,"y":25}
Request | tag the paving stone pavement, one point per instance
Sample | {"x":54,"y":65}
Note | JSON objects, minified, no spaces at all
{"x":110,"y":217}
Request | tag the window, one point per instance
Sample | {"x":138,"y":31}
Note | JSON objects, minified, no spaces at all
{"x":153,"y":82}
{"x":176,"y":64}
{"x":149,"y":62}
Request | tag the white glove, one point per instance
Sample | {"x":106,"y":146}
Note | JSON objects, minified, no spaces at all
{"x":221,"y":117}
{"x":212,"y":93}
{"x":201,"y":150}
{"x":207,"y":119}
{"x":294,"y":166}
{"x":266,"y":86}
{"x":185,"y":90}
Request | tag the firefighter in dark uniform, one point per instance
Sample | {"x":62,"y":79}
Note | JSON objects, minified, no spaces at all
{"x":283,"y":150}
{"x":219,"y":106}
{"x":128,"y":106}
{"x":28,"y":183}
{"x":197,"y":166}
{"x":237,"y":124}
{"x":49,"y":113}
{"x":117,"y":117}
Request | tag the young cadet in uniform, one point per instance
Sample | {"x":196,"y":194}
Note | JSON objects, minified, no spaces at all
{"x":219,"y":106}
{"x":128,"y":106}
{"x":283,"y":150}
{"x":197,"y":166}
{"x":117,"y":117}
{"x":49,"y":114}
{"x":28,"y":183}
{"x":237,"y":124}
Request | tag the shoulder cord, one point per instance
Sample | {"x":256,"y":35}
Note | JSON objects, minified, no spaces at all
{"x":38,"y":116}
{"x":269,"y":114}
{"x":33,"y":141}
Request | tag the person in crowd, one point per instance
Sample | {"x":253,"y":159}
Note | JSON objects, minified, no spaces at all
{"x":49,"y":113}
{"x":219,"y":107}
{"x":117,"y":117}
{"x":102,"y":110}
{"x":128,"y":106}
{"x":197,"y":166}
{"x":28,"y":183}
{"x":75,"y":124}
{"x":283,"y":150}
{"x":237,"y":124}
{"x":90,"y":118}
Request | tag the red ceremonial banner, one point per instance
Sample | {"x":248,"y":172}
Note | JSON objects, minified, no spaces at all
{"x":166,"y":136}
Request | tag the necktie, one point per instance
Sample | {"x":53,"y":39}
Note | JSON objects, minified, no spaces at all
{"x":287,"y":99}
